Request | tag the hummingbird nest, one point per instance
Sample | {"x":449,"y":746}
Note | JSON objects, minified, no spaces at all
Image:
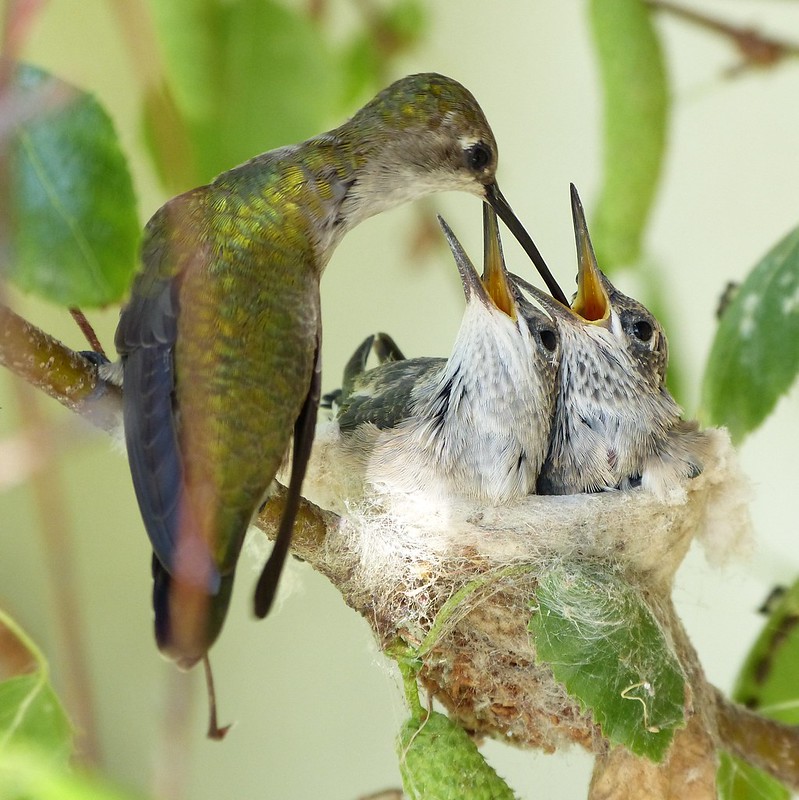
{"x":455,"y":580}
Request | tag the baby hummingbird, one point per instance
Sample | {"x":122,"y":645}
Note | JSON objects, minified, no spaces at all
{"x":615,"y":426}
{"x":220,"y":339}
{"x":475,"y":425}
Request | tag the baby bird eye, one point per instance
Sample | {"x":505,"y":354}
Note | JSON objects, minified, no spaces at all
{"x":549,"y":339}
{"x":642,"y":330}
{"x":478,"y":156}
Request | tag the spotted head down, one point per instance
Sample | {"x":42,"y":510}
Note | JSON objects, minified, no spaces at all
{"x":615,"y":425}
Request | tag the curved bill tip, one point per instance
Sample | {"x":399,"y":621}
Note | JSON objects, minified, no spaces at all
{"x":472,"y":285}
{"x":496,"y":200}
{"x":592,"y":302}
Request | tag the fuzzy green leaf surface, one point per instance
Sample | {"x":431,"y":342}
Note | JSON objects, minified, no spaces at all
{"x":604,"y":645}
{"x":72,"y":222}
{"x":636,"y":110}
{"x":755,"y":355}
{"x":246,"y":77}
{"x":439,"y":761}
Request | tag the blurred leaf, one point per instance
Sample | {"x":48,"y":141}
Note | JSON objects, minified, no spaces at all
{"x":247,"y":76}
{"x":440,"y":761}
{"x":603,"y":644}
{"x":30,"y":713}
{"x":361,"y":67}
{"x":386,"y":34}
{"x":636,"y":108}
{"x":72,"y":218}
{"x":406,"y":20}
{"x":755,"y":355}
{"x":767,"y":683}
{"x":28,"y":775}
{"x":737,"y":780}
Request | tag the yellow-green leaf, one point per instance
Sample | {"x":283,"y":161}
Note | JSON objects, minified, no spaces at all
{"x":439,"y":761}
{"x":27,"y":774}
{"x":30,"y":713}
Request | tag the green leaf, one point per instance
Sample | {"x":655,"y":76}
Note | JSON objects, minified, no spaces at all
{"x":439,"y":761}
{"x":30,"y":713}
{"x":636,"y":108}
{"x":72,"y":218}
{"x":247,"y":76}
{"x":755,"y":354}
{"x":737,"y":780}
{"x":27,"y":774}
{"x":603,"y":644}
{"x":767,"y":681}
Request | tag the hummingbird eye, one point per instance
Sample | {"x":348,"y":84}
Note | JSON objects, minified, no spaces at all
{"x":479,"y":156}
{"x":642,"y":330}
{"x":549,"y":339}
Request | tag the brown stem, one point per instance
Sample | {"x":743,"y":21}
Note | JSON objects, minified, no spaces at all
{"x":87,"y":330}
{"x":688,"y":773}
{"x":757,"y":49}
{"x":771,"y":746}
{"x":58,"y":371}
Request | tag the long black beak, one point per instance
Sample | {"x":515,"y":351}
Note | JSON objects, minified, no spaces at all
{"x":495,"y":199}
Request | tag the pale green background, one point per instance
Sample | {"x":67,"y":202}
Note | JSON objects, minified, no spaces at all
{"x":316,"y":707}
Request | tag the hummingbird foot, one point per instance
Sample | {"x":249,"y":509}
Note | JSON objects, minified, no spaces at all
{"x":93,"y":357}
{"x":215,"y":733}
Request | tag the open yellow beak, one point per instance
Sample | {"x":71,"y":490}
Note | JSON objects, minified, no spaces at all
{"x":495,"y":275}
{"x":592,"y":302}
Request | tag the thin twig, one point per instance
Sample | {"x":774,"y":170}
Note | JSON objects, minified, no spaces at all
{"x":87,"y":330}
{"x":756,"y":49}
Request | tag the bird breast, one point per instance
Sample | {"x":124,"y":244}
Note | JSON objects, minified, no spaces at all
{"x":479,"y":429}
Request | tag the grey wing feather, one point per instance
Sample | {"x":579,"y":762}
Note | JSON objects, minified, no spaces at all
{"x":145,"y":339}
{"x":386,"y":395}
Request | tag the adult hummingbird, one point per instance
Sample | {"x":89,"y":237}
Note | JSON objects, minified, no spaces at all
{"x":475,"y":425}
{"x":615,"y":426}
{"x":220,"y":339}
